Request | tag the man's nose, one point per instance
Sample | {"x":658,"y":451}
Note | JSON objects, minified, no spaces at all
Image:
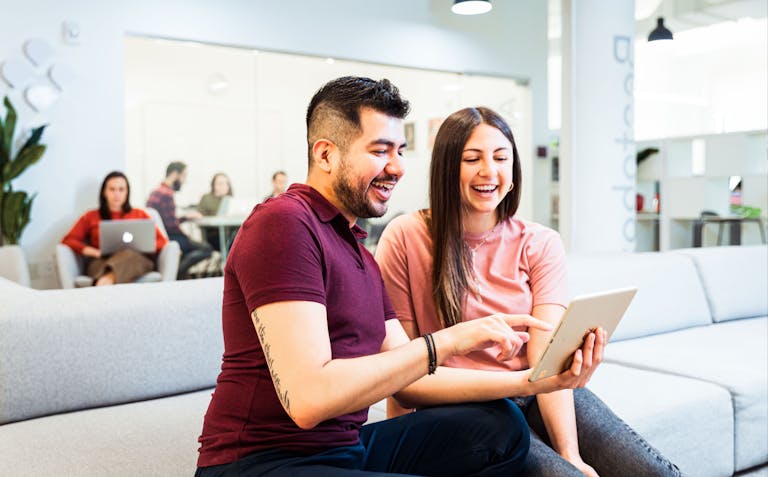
{"x":395,"y":165}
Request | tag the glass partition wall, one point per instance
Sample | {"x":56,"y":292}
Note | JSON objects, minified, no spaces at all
{"x":242,"y":112}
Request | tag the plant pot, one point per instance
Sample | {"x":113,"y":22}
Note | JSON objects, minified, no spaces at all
{"x":13,"y":264}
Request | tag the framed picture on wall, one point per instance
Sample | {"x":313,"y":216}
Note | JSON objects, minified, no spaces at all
{"x":433,"y":125}
{"x":410,"y":136}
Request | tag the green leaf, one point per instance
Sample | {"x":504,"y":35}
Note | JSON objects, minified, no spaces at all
{"x":34,"y":138}
{"x":16,"y":210}
{"x":25,"y":158}
{"x":10,"y":125}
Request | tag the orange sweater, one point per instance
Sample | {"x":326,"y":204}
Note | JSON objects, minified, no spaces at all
{"x":86,"y":230}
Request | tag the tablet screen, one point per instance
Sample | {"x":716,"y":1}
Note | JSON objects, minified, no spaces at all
{"x":584,"y":313}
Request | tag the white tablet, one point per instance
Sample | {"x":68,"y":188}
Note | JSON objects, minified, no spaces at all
{"x":584,"y":313}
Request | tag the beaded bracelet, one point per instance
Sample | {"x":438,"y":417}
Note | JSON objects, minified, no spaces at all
{"x":431,"y":352}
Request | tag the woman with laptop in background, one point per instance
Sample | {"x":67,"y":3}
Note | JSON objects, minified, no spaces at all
{"x":467,"y":257}
{"x":125,"y":265}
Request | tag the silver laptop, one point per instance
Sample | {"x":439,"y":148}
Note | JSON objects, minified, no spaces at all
{"x":138,"y":234}
{"x":236,"y":206}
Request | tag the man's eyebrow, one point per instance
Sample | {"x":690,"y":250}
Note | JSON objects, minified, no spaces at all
{"x":383,"y":142}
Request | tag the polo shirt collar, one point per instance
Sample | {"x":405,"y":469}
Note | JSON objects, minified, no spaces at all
{"x":324,"y":210}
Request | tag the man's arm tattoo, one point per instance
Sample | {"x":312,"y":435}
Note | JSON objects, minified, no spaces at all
{"x":283,"y":395}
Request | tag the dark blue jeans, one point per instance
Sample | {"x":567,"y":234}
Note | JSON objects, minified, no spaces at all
{"x":476,"y":439}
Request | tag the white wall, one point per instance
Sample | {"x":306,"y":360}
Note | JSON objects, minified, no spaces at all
{"x":86,"y":136}
{"x":709,"y":80}
{"x":248,"y":126}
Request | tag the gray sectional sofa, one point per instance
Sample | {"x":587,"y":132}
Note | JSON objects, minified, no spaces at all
{"x":115,"y":381}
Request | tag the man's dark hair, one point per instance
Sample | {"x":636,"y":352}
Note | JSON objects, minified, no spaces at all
{"x":175,"y":166}
{"x":334,"y":111}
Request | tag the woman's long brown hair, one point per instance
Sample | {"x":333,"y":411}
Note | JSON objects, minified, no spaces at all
{"x":452,"y":267}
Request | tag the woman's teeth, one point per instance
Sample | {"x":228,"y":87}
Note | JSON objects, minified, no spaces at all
{"x":485,"y":188}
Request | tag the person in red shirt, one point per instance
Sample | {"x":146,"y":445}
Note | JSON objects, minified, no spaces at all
{"x":126,"y":265}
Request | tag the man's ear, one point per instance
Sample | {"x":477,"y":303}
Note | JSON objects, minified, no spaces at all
{"x":322,"y":154}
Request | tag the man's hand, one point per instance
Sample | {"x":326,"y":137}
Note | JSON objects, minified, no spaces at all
{"x":482,"y":333}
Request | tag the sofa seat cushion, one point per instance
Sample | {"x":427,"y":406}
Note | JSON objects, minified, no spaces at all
{"x":157,"y":437}
{"x":733,"y":355}
{"x":735,"y":279}
{"x":670,"y":296}
{"x":683,"y":418}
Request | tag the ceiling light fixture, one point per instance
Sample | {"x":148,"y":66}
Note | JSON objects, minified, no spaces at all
{"x":471,"y":7}
{"x":660,"y":32}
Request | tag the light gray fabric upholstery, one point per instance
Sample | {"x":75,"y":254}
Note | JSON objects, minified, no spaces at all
{"x":695,"y":389}
{"x":70,"y":266}
{"x":65,"y":350}
{"x":670,"y":295}
{"x":149,"y":438}
{"x":13,"y":264}
{"x":683,"y":418}
{"x":733,"y":355}
{"x":735,"y":279}
{"x":168,"y":261}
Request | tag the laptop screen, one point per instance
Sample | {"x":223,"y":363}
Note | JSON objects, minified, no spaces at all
{"x":138,"y":234}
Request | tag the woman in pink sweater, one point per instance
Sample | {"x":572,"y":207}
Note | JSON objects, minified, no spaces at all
{"x":467,"y":257}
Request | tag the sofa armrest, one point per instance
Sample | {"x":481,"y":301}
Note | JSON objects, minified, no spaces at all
{"x":168,"y":261}
{"x":68,"y":265}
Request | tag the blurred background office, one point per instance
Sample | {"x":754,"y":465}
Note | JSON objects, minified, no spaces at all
{"x":224,"y":86}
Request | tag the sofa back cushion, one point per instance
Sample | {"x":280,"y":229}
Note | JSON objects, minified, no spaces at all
{"x":65,"y":350}
{"x":735,"y":280}
{"x":670,"y":296}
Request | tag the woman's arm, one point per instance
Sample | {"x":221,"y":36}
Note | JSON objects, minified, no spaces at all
{"x":77,"y":237}
{"x":456,"y":385}
{"x":557,"y":409}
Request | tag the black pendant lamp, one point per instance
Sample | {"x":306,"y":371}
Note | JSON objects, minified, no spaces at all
{"x":471,"y":7}
{"x":660,"y":32}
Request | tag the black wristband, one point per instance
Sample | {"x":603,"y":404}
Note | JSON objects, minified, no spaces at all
{"x":431,"y":353}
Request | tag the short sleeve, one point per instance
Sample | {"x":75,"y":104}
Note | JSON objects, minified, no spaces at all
{"x":548,"y":274}
{"x":276,"y":257}
{"x":391,"y":255}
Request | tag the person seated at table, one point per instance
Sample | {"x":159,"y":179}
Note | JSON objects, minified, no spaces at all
{"x":162,"y":200}
{"x":210,"y":203}
{"x":279,"y":184}
{"x":126,"y":265}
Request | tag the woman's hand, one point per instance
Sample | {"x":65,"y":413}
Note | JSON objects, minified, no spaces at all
{"x":483,"y":333}
{"x":585,"y":362}
{"x":92,"y":252}
{"x":585,"y":468}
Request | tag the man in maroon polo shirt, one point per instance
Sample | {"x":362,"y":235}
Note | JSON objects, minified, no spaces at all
{"x":311,"y":339}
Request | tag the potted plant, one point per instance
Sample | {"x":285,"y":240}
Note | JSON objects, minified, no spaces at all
{"x":15,"y":205}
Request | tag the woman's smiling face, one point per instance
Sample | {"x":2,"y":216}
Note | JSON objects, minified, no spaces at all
{"x":486,"y":170}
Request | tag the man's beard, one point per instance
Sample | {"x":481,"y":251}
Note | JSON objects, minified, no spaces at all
{"x":354,"y":197}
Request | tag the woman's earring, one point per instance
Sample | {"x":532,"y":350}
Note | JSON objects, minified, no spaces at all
{"x":511,"y":187}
